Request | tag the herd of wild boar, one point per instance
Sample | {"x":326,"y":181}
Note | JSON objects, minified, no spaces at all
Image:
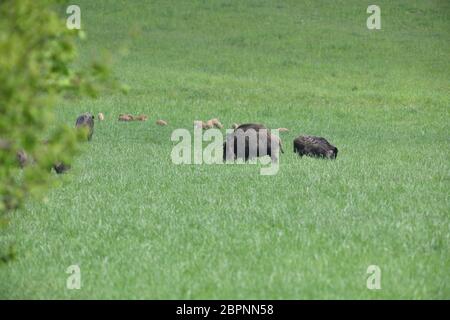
{"x":303,"y":145}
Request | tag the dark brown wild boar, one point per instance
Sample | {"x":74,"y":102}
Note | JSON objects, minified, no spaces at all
{"x":253,"y":143}
{"x":314,"y":147}
{"x":86,"y":120}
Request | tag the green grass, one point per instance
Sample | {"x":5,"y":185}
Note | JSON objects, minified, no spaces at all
{"x":141,"y":227}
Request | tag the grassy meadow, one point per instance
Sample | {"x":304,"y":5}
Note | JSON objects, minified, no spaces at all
{"x":141,"y":227}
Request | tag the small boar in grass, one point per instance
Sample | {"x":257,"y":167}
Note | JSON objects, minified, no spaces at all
{"x":58,"y":166}
{"x":61,"y":168}
{"x":314,"y":147}
{"x":22,"y":158}
{"x":161,"y":122}
{"x":209,"y":124}
{"x":216,"y":123}
{"x":141,"y":117}
{"x":126,"y":117}
{"x":86,"y":120}
{"x":101,"y":116}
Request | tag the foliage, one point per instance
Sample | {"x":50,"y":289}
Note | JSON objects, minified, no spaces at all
{"x":37,"y":52}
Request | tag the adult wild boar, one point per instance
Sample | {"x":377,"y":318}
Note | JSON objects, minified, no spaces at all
{"x":86,"y":120}
{"x":314,"y":147}
{"x":250,"y":141}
